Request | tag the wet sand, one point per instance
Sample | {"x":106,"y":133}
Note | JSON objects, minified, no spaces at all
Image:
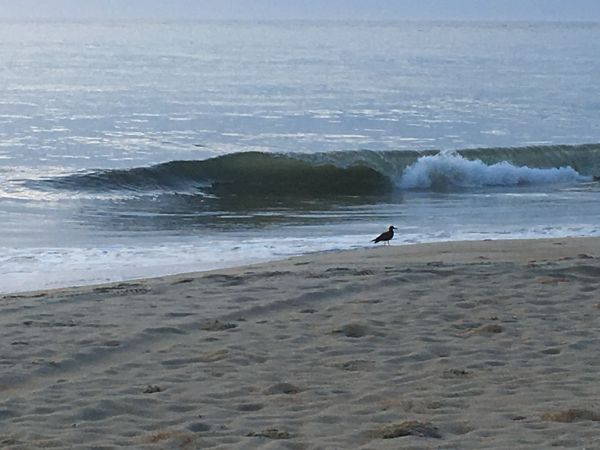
{"x":455,"y":345}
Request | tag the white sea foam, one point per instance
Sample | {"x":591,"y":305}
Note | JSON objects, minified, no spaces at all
{"x":44,"y":268}
{"x":446,"y":170}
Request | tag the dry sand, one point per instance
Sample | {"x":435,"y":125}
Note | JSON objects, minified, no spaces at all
{"x":451,"y":346}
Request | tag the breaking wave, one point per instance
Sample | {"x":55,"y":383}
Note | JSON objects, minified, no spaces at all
{"x":351,"y":173}
{"x":447,"y":170}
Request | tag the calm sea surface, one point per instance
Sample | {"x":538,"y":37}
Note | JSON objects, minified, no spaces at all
{"x":89,"y":112}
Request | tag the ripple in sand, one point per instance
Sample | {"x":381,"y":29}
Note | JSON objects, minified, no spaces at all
{"x":217,"y":325}
{"x":122,"y":288}
{"x":551,"y":351}
{"x":571,"y":415}
{"x":271,"y":433}
{"x":488,"y":329}
{"x":179,"y":439}
{"x":553,"y":280}
{"x":409,"y":428}
{"x":183,"y":281}
{"x":214,"y":356}
{"x":456,"y":373}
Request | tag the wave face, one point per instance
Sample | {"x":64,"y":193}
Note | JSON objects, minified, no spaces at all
{"x":351,"y":173}
{"x":238,"y":174}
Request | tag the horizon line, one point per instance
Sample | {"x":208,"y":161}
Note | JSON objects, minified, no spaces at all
{"x":296,"y":20}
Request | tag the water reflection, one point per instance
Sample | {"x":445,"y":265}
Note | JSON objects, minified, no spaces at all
{"x":185,"y":212}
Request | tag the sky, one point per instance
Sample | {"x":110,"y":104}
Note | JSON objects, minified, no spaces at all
{"x":503,"y":10}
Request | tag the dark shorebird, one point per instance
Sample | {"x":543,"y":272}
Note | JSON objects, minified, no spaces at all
{"x":386,"y":236}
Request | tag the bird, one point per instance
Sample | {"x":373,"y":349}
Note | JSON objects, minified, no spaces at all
{"x":386,"y":236}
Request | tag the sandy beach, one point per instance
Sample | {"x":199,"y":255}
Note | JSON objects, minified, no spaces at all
{"x":463,"y":345}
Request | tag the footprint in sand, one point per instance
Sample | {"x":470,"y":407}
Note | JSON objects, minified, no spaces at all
{"x":282,"y":388}
{"x":217,"y":325}
{"x":249,"y":407}
{"x":353,"y":330}
{"x":198,"y":427}
{"x":356,"y":365}
{"x":152,"y":389}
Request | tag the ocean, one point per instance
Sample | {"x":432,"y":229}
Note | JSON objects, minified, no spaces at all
{"x":137,"y":149}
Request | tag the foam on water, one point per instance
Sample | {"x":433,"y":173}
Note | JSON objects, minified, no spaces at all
{"x":46,"y":268}
{"x":447,"y":170}
{"x":77,"y":266}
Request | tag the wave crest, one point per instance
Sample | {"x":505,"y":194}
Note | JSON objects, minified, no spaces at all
{"x":447,"y":170}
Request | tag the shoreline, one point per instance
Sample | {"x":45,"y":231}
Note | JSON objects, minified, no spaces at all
{"x":449,"y":250}
{"x":473,"y":344}
{"x":417,"y":252}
